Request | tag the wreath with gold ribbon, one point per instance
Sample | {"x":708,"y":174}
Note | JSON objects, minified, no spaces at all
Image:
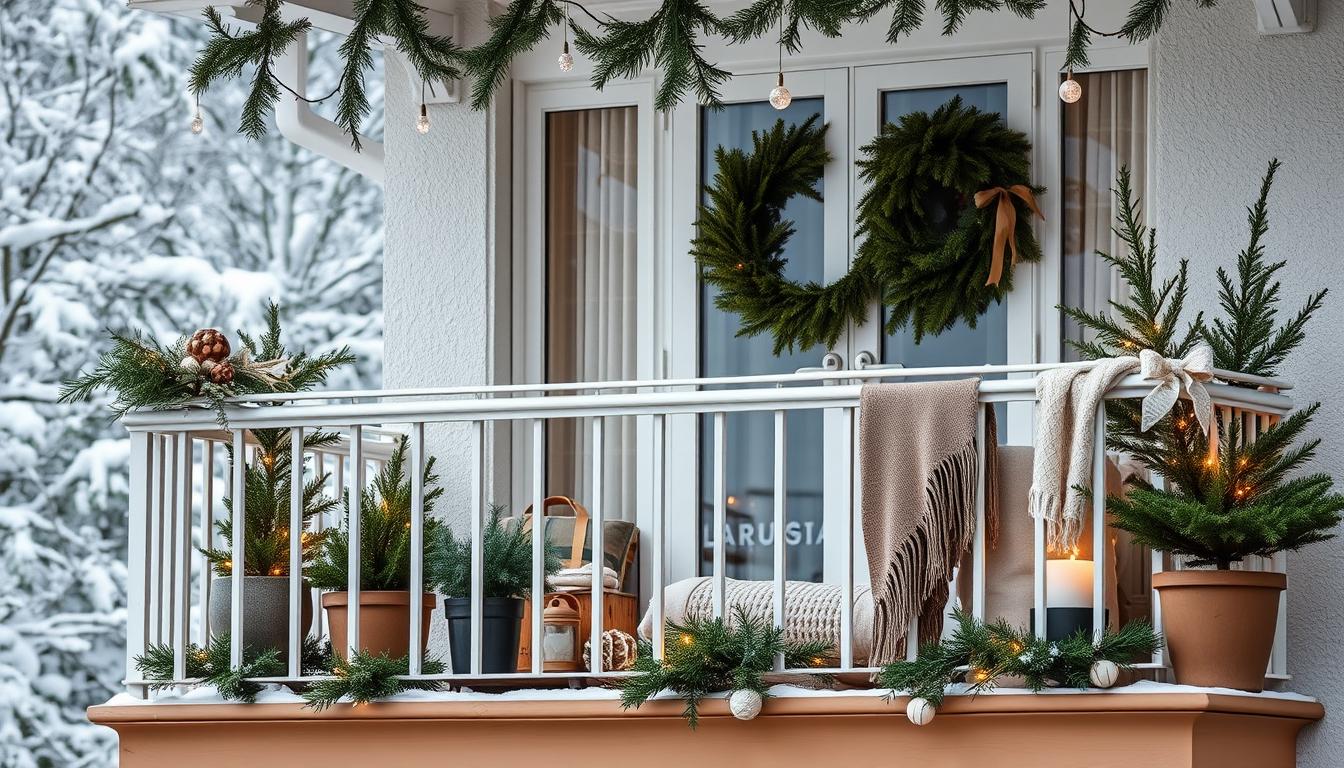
{"x":945,"y":192}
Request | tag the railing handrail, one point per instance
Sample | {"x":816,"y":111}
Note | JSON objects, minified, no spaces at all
{"x":810,"y":375}
{"x":623,"y":404}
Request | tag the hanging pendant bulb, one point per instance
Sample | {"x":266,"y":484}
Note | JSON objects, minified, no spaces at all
{"x":780,"y":98}
{"x":422,"y":122}
{"x":1070,"y":91}
{"x":566,"y":60}
{"x":197,"y":121}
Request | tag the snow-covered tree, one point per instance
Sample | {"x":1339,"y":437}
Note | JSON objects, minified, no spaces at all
{"x":113,"y":215}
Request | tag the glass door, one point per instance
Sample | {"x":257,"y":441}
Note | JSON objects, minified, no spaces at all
{"x":1007,"y":332}
{"x":817,"y":251}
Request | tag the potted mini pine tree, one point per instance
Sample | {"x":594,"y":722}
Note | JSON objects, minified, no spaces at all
{"x":1217,"y":507}
{"x":507,"y":556}
{"x":385,"y":561}
{"x":266,"y":514}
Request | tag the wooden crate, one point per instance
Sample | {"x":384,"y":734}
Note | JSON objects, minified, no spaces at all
{"x":621,"y":609}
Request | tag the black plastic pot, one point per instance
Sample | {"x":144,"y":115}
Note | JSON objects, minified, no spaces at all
{"x":501,"y":625}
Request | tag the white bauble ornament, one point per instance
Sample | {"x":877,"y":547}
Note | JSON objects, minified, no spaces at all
{"x":1070,"y":91}
{"x":780,"y":98}
{"x":745,"y":704}
{"x":1104,"y":673}
{"x":190,"y":365}
{"x":920,"y":711}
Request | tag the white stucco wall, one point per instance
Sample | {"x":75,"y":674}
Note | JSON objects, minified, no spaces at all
{"x":1228,"y":100}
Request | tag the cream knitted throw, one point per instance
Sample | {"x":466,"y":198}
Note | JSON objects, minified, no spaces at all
{"x":918,"y":460}
{"x":1066,"y":403}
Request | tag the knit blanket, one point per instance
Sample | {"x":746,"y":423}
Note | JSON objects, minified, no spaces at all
{"x":917,"y":456}
{"x":1067,"y":400}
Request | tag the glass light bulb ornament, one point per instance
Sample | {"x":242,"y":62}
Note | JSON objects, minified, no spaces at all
{"x":780,"y":98}
{"x":422,"y":122}
{"x":197,"y":123}
{"x":566,"y":60}
{"x":1070,"y":91}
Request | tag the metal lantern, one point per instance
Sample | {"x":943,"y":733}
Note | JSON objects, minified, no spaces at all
{"x":560,"y":634}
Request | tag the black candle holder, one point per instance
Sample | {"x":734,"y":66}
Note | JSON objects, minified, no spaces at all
{"x":1061,"y":623}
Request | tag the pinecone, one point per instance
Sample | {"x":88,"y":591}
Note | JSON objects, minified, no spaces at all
{"x":208,"y":344}
{"x":222,"y":373}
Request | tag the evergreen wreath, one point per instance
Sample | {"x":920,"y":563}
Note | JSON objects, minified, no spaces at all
{"x":926,"y":244}
{"x":978,"y":653}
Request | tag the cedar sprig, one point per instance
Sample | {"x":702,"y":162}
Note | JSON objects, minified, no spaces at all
{"x":522,"y":25}
{"x":506,"y":553}
{"x":211,"y":666}
{"x":385,"y":530}
{"x":708,"y":655}
{"x":142,"y":373}
{"x":977,"y":653}
{"x":267,"y":482}
{"x":1146,"y":16}
{"x":367,"y":677}
{"x":827,"y":17}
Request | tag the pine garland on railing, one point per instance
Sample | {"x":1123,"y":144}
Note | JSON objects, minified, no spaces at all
{"x":670,"y":39}
{"x":211,"y":666}
{"x":704,"y":656}
{"x":979,"y":653}
{"x":367,"y":677}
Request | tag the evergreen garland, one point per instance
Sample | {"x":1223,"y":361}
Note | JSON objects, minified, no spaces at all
{"x":705,"y":656}
{"x":211,"y":666}
{"x":929,"y":276}
{"x":978,"y":653}
{"x":146,"y":374}
{"x":367,"y":677}
{"x":267,"y":482}
{"x":385,"y":531}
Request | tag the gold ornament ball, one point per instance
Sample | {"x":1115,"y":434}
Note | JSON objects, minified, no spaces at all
{"x":920,"y":711}
{"x":745,"y":704}
{"x":780,"y":98}
{"x":1070,"y":91}
{"x":1104,"y":673}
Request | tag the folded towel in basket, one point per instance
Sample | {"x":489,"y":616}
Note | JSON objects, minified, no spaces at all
{"x":812,"y":611}
{"x":582,"y":578}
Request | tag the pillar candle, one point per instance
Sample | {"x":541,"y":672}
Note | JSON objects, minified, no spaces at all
{"x":1068,"y":583}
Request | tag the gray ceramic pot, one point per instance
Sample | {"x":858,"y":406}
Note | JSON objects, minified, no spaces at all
{"x":265,"y":610}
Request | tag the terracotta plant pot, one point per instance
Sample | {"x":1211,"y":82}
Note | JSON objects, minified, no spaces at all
{"x":1219,"y":625}
{"x":265,"y":611}
{"x":384,"y":621}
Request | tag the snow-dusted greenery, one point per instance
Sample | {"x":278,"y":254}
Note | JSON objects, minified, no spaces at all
{"x":113,"y":215}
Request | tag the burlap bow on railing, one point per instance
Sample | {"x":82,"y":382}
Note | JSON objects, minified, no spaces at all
{"x":1171,"y":375}
{"x":1005,"y":226}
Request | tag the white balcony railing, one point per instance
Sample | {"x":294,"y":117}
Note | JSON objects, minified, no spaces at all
{"x":173,"y":501}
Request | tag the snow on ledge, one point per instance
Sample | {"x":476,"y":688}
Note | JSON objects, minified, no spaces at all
{"x":278,"y":694}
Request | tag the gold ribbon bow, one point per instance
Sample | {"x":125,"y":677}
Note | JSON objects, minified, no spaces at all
{"x":1005,"y":227}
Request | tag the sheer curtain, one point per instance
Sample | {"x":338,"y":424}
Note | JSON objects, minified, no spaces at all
{"x":1105,"y":131}
{"x":591,"y":218}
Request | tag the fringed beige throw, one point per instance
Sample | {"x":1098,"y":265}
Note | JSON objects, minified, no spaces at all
{"x":917,"y":456}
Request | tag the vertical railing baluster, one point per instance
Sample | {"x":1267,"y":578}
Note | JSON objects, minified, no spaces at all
{"x":599,"y":550}
{"x":295,"y":550}
{"x":182,"y":549}
{"x":851,"y":431}
{"x":156,"y":558}
{"x":237,"y":504}
{"x":538,"y":545}
{"x":659,"y":537}
{"x":417,"y":617}
{"x":138,"y":552}
{"x":354,"y":529}
{"x":720,"y":513}
{"x":477,"y":543}
{"x":1099,"y":554}
{"x":1159,"y":564}
{"x":207,"y":535}
{"x":781,"y":572}
{"x":168,"y":540}
{"x":978,"y":547}
{"x":1038,"y":548}
{"x":320,"y":524}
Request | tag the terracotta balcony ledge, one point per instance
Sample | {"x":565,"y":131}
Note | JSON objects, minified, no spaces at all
{"x":1158,"y":726}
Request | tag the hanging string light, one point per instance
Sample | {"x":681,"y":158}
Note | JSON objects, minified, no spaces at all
{"x":566,"y":60}
{"x":422,"y":122}
{"x":1070,"y":91}
{"x":197,"y":122}
{"x":780,"y":98}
